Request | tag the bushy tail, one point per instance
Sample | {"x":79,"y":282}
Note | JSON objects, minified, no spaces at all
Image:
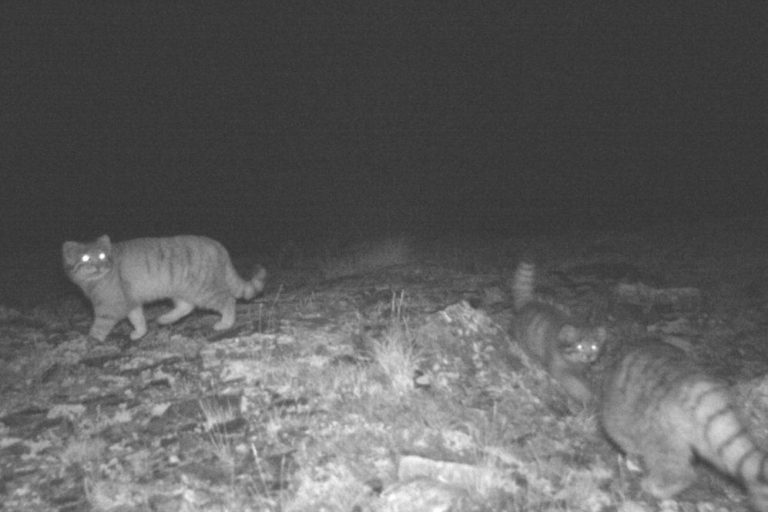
{"x":523,"y":284}
{"x":247,"y":290}
{"x":729,"y":445}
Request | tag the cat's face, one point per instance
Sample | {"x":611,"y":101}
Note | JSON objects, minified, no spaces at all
{"x":582,"y":344}
{"x":87,"y":262}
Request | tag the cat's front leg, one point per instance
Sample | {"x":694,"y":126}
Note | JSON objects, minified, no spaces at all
{"x":136,"y":317}
{"x":103,"y":322}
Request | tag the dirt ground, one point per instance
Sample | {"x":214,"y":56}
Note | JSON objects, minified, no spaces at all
{"x":376,"y":377}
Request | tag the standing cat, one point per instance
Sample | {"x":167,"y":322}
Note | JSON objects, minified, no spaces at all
{"x":118,"y":278}
{"x":659,"y":404}
{"x":563,"y":346}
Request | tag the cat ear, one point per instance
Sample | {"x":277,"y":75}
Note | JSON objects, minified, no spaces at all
{"x":568,"y":333}
{"x":104,"y":240}
{"x":70,"y":251}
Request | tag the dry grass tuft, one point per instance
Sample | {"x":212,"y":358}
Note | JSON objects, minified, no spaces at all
{"x":398,"y":359}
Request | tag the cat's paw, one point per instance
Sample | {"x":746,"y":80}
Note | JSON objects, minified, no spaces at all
{"x":222,"y":325}
{"x":665,"y":488}
{"x":166,"y":319}
{"x":136,"y":334}
{"x":97,"y":335}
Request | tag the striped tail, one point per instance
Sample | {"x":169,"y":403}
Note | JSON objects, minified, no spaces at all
{"x":728,"y":444}
{"x":523,"y":284}
{"x":246,"y":289}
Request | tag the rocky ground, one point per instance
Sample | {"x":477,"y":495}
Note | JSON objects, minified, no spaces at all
{"x":380,"y":377}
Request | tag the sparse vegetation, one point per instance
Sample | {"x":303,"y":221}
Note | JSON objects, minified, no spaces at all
{"x":378,"y":388}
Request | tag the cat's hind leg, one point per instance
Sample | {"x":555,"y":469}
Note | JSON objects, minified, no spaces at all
{"x":669,"y":467}
{"x":181,"y":309}
{"x":136,"y":317}
{"x":227,"y":310}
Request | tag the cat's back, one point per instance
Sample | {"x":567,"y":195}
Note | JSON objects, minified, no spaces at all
{"x":152,"y":268}
{"x":537,"y":325}
{"x":647,"y":388}
{"x":536,"y":322}
{"x":150,"y":253}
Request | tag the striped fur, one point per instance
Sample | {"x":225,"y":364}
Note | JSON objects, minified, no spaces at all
{"x":118,"y":278}
{"x":658,"y":404}
{"x":563,"y":346}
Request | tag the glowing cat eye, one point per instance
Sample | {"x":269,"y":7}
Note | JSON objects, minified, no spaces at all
{"x":85,"y":258}
{"x":102,"y":256}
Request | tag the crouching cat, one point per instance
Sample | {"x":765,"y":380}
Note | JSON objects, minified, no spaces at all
{"x":659,"y":404}
{"x":564,"y":346}
{"x":118,"y":278}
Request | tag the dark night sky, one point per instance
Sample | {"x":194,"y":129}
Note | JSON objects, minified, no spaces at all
{"x":258,"y":121}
